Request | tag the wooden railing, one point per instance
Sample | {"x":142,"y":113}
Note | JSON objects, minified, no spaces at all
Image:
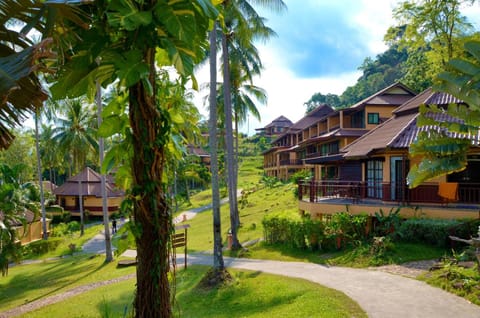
{"x":315,"y":191}
{"x":291,"y":162}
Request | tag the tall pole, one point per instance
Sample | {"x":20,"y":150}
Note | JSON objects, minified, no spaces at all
{"x":80,"y":203}
{"x":40,"y":181}
{"x":101,"y":149}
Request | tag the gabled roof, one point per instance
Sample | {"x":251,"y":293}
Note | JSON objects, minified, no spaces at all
{"x":388,"y":96}
{"x":378,"y":138}
{"x":89,"y":183}
{"x":339,"y":132}
{"x":308,"y":120}
{"x":281,"y":121}
{"x":197,"y":151}
{"x":401,"y":130}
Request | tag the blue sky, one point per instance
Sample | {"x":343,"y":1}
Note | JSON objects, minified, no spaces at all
{"x":319,"y":47}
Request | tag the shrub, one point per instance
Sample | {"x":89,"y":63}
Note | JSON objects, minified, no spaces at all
{"x":431,"y":231}
{"x":297,"y":232}
{"x":43,"y":246}
{"x":386,"y":224}
{"x":62,"y":229}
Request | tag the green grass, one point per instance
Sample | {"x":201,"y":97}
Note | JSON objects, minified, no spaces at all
{"x":26,"y":283}
{"x":252,"y":294}
{"x":251,"y":215}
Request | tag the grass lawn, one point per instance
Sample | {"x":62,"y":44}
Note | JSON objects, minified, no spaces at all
{"x":252,"y":211}
{"x":252,"y":294}
{"x":26,"y":283}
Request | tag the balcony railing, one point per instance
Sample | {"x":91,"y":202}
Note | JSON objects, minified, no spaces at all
{"x":315,"y":191}
{"x":291,"y":162}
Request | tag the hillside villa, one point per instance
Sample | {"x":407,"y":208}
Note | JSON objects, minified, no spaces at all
{"x":366,"y":172}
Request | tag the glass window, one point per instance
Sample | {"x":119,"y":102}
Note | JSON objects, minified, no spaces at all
{"x":373,"y":118}
{"x":375,"y":179}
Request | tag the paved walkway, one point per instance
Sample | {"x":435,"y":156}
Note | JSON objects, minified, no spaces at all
{"x":380,"y":294}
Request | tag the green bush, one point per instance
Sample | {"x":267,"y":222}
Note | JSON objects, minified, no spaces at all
{"x":430,"y":231}
{"x":62,"y":229}
{"x":295,"y":231}
{"x":43,"y":246}
{"x":352,"y":227}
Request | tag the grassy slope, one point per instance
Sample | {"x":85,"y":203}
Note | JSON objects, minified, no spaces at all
{"x":252,"y":294}
{"x":26,"y":283}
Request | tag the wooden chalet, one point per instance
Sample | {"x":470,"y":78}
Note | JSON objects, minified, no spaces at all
{"x":87,"y":184}
{"x":314,"y":142}
{"x":382,"y":159}
{"x":277,"y":127}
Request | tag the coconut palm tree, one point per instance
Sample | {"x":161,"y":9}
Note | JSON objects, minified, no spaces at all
{"x":20,"y":89}
{"x":242,"y":25}
{"x":218,"y":263}
{"x":75,"y":132}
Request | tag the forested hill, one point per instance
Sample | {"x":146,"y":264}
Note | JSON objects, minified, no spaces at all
{"x":428,"y":35}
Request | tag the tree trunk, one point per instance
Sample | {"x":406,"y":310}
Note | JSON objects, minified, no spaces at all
{"x":218,"y":263}
{"x":229,"y":143}
{"x":40,"y":180}
{"x":235,"y":174}
{"x":101,"y":149}
{"x":80,"y":203}
{"x":151,"y":213}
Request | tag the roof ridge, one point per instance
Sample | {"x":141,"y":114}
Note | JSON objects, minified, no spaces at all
{"x":402,"y":130}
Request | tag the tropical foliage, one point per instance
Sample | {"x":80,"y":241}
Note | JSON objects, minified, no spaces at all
{"x":444,"y":145}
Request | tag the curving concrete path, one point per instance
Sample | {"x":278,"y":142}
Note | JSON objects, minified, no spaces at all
{"x":380,"y":294}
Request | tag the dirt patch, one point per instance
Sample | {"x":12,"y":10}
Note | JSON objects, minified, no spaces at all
{"x":215,"y":278}
{"x":411,"y":269}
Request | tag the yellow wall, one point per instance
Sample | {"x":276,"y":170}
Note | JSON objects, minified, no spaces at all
{"x":33,"y":232}
{"x":318,"y":209}
{"x":383,"y":112}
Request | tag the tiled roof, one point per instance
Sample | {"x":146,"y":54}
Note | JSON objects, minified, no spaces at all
{"x":401,"y":130}
{"x":339,"y":132}
{"x":384,"y":97}
{"x":89,"y":183}
{"x":281,"y":121}
{"x":311,"y":118}
{"x":378,"y":138}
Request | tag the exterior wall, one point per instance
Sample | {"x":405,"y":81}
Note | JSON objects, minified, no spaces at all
{"x":33,"y":232}
{"x":383,"y":112}
{"x":316,"y":210}
{"x":333,"y":122}
{"x":91,"y":203}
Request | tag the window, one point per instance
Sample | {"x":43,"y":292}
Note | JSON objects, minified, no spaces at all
{"x":358,"y":120}
{"x":374,"y":179}
{"x":373,"y":118}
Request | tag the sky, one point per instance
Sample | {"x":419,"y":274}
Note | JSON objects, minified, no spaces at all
{"x":319,"y":46}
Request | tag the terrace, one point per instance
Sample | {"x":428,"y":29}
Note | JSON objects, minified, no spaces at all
{"x":329,"y":197}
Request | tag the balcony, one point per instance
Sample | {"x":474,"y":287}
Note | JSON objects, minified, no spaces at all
{"x":291,"y":162}
{"x":361,"y":197}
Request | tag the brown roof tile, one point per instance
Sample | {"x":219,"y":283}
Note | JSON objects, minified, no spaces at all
{"x":385,"y":96}
{"x":89,"y":183}
{"x":378,"y":138}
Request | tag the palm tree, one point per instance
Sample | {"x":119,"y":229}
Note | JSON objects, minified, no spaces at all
{"x":20,"y":89}
{"x":242,"y":25}
{"x":101,"y":149}
{"x":218,"y":263}
{"x":75,"y":133}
